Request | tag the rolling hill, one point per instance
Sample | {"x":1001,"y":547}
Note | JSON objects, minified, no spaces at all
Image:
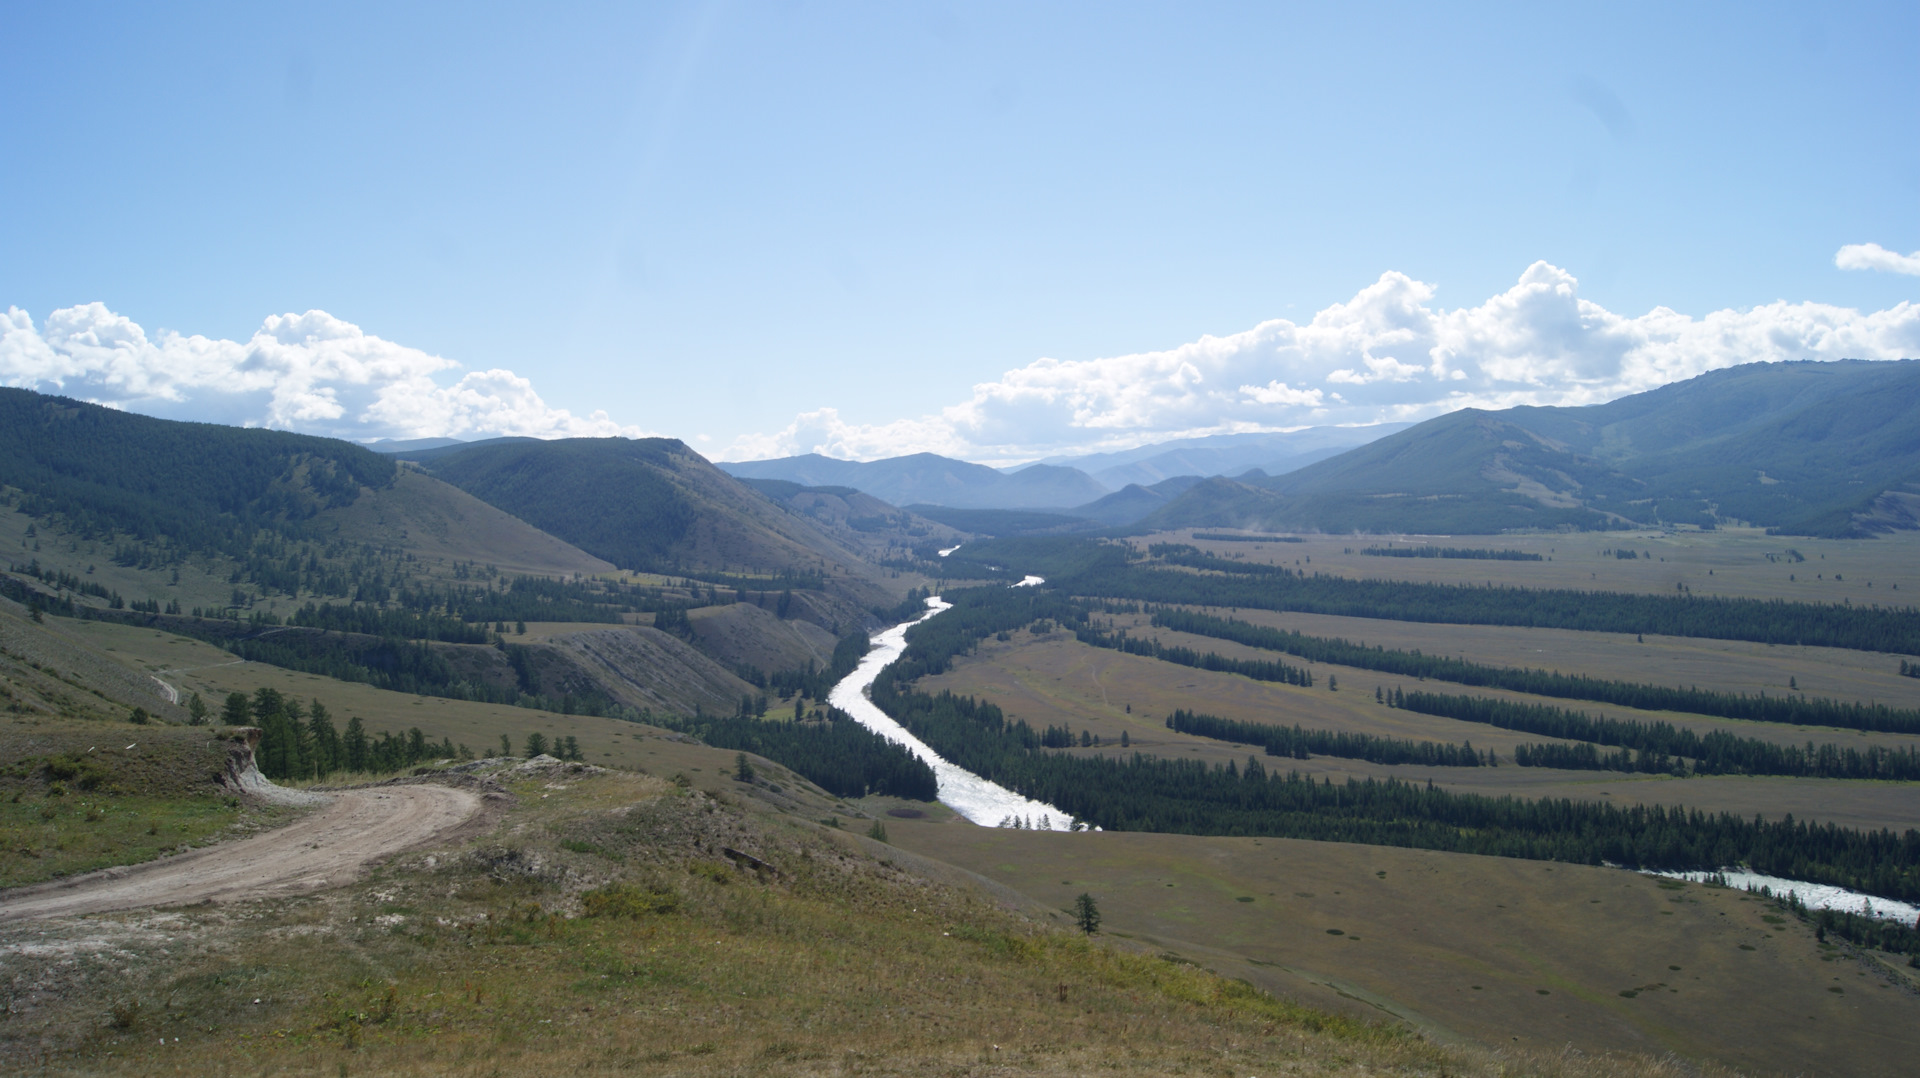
{"x":1806,"y":448}
{"x":654,"y":504}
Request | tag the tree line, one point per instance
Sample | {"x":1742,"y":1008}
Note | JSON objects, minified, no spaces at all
{"x":1088,"y":567}
{"x":1465,"y":553}
{"x":1299,"y":744}
{"x":840,"y":756}
{"x":1791,"y":710}
{"x":1658,"y":747}
{"x":1189,"y":797}
{"x":1257,"y":669}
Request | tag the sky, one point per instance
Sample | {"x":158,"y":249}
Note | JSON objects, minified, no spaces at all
{"x":998,"y":232}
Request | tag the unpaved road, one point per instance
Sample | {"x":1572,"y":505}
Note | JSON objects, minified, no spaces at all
{"x":325,"y":848}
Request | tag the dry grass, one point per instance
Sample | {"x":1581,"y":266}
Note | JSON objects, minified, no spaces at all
{"x":1489,"y":950}
{"x":835,"y":958}
{"x":1058,"y":680}
{"x":1736,"y":557}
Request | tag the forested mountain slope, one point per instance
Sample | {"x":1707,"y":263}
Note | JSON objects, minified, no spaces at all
{"x":1808,"y":448}
{"x":197,"y":486}
{"x":654,"y":504}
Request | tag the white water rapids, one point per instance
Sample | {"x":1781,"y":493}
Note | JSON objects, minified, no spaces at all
{"x":986,"y":803}
{"x":1814,"y":896}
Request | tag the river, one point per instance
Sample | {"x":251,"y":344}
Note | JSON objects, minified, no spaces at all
{"x":1814,"y":896}
{"x":988,"y":804}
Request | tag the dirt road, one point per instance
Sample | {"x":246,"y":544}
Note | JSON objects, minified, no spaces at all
{"x":323,"y":849}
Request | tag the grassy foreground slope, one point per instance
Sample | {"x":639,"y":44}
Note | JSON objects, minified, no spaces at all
{"x":617,"y":922}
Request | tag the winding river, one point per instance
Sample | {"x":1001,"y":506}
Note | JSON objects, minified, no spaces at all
{"x":986,"y":803}
{"x":1814,"y":896}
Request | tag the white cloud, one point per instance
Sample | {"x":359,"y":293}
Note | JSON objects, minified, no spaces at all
{"x":1389,"y":351}
{"x":309,"y":372}
{"x":1872,"y":256}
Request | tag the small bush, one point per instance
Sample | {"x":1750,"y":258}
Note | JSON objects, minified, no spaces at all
{"x":629,"y":900}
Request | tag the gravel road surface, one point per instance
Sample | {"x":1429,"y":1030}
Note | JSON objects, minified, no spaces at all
{"x":326,"y":848}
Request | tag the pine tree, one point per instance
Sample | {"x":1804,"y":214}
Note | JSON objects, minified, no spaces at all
{"x":536,"y":744}
{"x":1086,"y":914}
{"x":237,"y":711}
{"x":355,"y":745}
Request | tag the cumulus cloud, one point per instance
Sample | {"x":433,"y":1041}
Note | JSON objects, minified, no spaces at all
{"x":309,"y":372}
{"x":1387,"y":354}
{"x":1872,"y":256}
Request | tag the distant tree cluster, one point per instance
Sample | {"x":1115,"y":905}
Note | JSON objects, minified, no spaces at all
{"x":1300,"y":744}
{"x":1463,"y":553}
{"x":1090,"y":567}
{"x":840,"y":756}
{"x":1659,"y":747}
{"x":1792,"y":710}
{"x":299,"y":742}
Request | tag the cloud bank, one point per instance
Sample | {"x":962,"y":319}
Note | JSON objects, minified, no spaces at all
{"x":1872,"y":256}
{"x":309,"y":372}
{"x":1387,"y":354}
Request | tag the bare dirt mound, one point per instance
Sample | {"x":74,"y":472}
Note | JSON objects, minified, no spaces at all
{"x":324,"y":849}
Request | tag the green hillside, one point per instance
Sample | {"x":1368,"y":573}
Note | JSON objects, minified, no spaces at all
{"x":1806,"y":448}
{"x":653,"y":504}
{"x":193,"y":486}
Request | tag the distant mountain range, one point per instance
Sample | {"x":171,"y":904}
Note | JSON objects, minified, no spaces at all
{"x":1806,"y":448}
{"x":1224,"y":454}
{"x":928,"y":479}
{"x":1061,"y":484}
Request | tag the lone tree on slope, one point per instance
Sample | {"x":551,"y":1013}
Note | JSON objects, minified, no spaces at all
{"x":1086,"y":913}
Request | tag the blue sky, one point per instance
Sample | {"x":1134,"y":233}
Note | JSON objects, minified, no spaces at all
{"x":707,"y":220}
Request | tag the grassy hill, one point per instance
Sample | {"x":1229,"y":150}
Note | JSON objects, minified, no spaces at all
{"x":1805,"y":448}
{"x":653,"y":504}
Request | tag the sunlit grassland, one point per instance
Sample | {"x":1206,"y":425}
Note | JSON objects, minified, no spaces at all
{"x":1835,"y":570}
{"x":830,"y":958}
{"x":1492,"y":950}
{"x":1058,"y":680}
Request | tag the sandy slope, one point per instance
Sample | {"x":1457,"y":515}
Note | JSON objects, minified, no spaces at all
{"x":327,"y":847}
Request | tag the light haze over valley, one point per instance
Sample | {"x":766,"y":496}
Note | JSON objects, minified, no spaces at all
{"x":721,"y":538}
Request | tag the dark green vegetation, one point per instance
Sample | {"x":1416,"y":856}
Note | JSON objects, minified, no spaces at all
{"x":1003,"y":522}
{"x":607,"y":496}
{"x":1181,"y":575}
{"x":1299,"y":744}
{"x":1189,"y":797}
{"x":839,"y":755}
{"x":1807,"y":448}
{"x":1659,"y":747}
{"x":1792,"y":710}
{"x":160,"y":489}
{"x":300,"y":742}
{"x":1142,"y":793}
{"x":1256,"y":669}
{"x":1230,"y":537}
{"x":1457,"y":552}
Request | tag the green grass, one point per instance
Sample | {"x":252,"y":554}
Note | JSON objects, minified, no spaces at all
{"x":43,"y":838}
{"x":529,"y":951}
{"x":77,"y":796}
